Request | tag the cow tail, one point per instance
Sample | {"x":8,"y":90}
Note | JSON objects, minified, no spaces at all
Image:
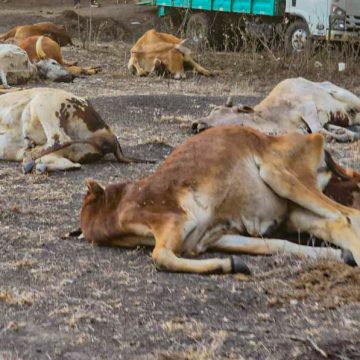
{"x":39,"y":49}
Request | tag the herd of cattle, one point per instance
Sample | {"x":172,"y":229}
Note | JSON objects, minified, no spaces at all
{"x":251,"y":183}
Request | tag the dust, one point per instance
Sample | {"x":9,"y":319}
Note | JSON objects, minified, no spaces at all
{"x":330,"y":283}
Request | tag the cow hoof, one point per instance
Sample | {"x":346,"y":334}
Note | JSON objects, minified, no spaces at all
{"x":238,"y":266}
{"x":40,"y":168}
{"x":28,"y":166}
{"x":348,"y":258}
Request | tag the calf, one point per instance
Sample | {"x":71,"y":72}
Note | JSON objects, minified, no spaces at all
{"x":41,"y":48}
{"x":156,"y":51}
{"x":295,"y":105}
{"x":56,"y":32}
{"x":16,"y":68}
{"x":51,"y":129}
{"x":209,"y":195}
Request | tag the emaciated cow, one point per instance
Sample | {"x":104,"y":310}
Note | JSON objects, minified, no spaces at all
{"x":209,"y":195}
{"x":295,"y":105}
{"x":16,"y":68}
{"x":158,"y":52}
{"x":51,"y":129}
{"x":56,"y":32}
{"x":41,"y":48}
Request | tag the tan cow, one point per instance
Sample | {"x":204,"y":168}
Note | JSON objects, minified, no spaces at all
{"x":209,"y":195}
{"x":56,"y":32}
{"x":42,"y":47}
{"x":52,"y":129}
{"x":155,"y":52}
{"x":295,"y":105}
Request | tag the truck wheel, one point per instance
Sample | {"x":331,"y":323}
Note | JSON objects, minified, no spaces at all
{"x":198,"y":30}
{"x":297,"y":37}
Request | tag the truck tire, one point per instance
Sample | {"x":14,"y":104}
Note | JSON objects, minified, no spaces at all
{"x":198,"y":30}
{"x":297,"y":37}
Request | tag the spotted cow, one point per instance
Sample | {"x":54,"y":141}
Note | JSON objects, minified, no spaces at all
{"x":51,"y":129}
{"x":295,"y":105}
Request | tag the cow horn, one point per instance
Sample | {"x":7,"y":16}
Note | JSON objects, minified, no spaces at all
{"x":335,"y":168}
{"x":39,"y":50}
{"x":122,"y":158}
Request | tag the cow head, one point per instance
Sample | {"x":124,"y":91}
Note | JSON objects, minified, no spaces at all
{"x":105,"y":142}
{"x":98,"y":204}
{"x":227,"y":114}
{"x":49,"y":68}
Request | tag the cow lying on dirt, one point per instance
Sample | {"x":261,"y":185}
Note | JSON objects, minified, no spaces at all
{"x":157,"y":52}
{"x":51,"y":129}
{"x":15,"y":67}
{"x":41,"y":47}
{"x":209,"y":195}
{"x":295,"y":105}
{"x":54,"y":31}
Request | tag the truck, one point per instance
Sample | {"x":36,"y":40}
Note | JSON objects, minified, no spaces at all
{"x":300,"y":21}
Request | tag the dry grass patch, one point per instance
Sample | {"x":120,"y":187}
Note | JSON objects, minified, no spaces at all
{"x":329,"y":283}
{"x":14,"y":297}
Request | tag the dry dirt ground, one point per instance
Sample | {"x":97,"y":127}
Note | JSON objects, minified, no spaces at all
{"x":65,"y":299}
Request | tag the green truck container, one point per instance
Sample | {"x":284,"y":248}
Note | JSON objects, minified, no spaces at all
{"x":256,"y":7}
{"x":299,"y":21}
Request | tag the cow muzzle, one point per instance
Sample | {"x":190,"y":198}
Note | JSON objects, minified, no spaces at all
{"x":65,"y":78}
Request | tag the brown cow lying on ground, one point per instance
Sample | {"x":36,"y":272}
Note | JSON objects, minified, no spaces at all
{"x":155,"y":52}
{"x":295,"y":105}
{"x":209,"y":195}
{"x":54,"y":31}
{"x":42,"y":47}
{"x":51,"y":129}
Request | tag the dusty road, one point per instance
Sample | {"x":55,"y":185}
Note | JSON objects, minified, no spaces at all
{"x":65,"y":299}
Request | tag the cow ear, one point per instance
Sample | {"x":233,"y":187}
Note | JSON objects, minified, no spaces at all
{"x":94,"y":187}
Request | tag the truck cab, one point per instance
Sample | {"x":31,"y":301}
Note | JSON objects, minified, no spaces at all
{"x":331,"y":20}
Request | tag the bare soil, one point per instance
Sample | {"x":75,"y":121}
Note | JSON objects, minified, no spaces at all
{"x":65,"y":299}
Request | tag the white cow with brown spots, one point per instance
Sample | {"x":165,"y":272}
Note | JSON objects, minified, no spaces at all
{"x":295,"y":105}
{"x":52,"y":129}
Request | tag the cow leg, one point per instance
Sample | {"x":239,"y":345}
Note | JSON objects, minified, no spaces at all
{"x":54,"y":133}
{"x":53,"y":162}
{"x":69,"y":63}
{"x":77,"y":70}
{"x":3,"y":79}
{"x":342,"y":224}
{"x":168,"y":240}
{"x":134,"y":64}
{"x":197,"y":67}
{"x":346,"y":135}
{"x":264,"y":246}
{"x":338,"y":231}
